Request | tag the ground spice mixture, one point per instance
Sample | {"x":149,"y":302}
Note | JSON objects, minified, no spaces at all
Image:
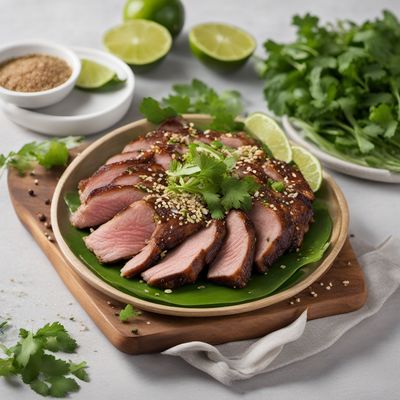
{"x":33,"y":73}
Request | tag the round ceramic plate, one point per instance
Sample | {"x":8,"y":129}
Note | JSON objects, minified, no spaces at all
{"x":345,"y":167}
{"x":98,"y":152}
{"x":82,"y":112}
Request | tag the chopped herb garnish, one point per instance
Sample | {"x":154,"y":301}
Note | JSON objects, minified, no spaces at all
{"x":278,"y":186}
{"x":207,"y":171}
{"x":47,"y":375}
{"x":49,"y":153}
{"x":197,"y":97}
{"x":128,"y":313}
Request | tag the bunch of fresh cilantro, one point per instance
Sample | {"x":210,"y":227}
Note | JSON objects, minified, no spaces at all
{"x":207,"y":171}
{"x":197,"y":98}
{"x":31,"y":359}
{"x":341,"y":84}
{"x":49,"y":153}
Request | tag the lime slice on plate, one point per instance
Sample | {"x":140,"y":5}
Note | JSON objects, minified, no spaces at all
{"x":169,"y":13}
{"x":222,"y":46}
{"x":268,"y":132}
{"x":138,"y":42}
{"x":309,"y":166}
{"x":94,"y":75}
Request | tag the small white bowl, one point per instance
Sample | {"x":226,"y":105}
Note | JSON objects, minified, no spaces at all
{"x":46,"y":97}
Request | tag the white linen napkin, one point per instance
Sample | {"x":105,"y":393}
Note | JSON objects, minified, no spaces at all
{"x":245,"y":359}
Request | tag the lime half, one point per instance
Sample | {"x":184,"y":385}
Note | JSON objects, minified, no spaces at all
{"x":139,"y":42}
{"x":268,"y":132}
{"x":94,"y":75}
{"x":222,"y":46}
{"x":309,"y":166}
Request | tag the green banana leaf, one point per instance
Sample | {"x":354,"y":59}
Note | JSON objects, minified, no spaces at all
{"x":283,"y":274}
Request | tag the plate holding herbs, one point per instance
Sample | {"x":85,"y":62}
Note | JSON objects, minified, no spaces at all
{"x":339,"y":84}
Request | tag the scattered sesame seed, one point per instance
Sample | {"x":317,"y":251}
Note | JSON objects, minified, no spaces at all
{"x":328,"y":288}
{"x":283,"y":266}
{"x":298,"y":299}
{"x":345,"y":283}
{"x":36,"y":182}
{"x":167,"y":291}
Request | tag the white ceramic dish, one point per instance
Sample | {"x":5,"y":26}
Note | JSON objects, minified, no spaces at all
{"x":46,"y":97}
{"x":82,"y":112}
{"x":336,"y":164}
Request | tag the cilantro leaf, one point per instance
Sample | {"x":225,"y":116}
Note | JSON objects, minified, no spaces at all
{"x":6,"y":367}
{"x":28,"y":346}
{"x":237,"y":192}
{"x":62,"y":386}
{"x":154,"y":112}
{"x":197,"y":97}
{"x":43,"y":372}
{"x":128,"y":313}
{"x":79,"y":370}
{"x":40,"y":387}
{"x":49,"y":153}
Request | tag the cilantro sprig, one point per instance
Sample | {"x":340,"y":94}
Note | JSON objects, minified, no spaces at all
{"x":341,"y":84}
{"x":197,"y":97}
{"x":207,"y":171}
{"x":48,"y":153}
{"x":31,"y":359}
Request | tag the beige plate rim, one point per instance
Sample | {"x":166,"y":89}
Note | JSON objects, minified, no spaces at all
{"x":338,"y":238}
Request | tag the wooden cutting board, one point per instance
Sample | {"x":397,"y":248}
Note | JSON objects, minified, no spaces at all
{"x":347,"y":290}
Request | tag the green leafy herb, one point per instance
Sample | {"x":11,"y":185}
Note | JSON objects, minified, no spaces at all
{"x":278,"y":186}
{"x":341,"y":84}
{"x":197,"y":97}
{"x":207,"y":171}
{"x":49,"y":153}
{"x":128,"y":313}
{"x":2,"y":326}
{"x":42,"y":371}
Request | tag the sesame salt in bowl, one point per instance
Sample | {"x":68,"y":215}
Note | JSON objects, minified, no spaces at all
{"x":37,"y":74}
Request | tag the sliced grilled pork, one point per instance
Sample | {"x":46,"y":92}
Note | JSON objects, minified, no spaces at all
{"x":274,"y":232}
{"x":290,"y":176}
{"x":124,"y":235}
{"x":103,"y":203}
{"x":107,"y":173}
{"x":131,"y":178}
{"x":144,"y":143}
{"x":183,"y":264}
{"x":130,"y":155}
{"x":235,"y":140}
{"x":232,"y":266}
{"x":167,"y":235}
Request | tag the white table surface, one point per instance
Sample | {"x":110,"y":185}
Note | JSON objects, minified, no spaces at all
{"x":364,"y":364}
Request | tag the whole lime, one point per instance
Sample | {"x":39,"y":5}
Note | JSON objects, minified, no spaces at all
{"x":169,"y":13}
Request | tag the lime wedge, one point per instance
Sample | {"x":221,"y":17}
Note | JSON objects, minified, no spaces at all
{"x":268,"y":132}
{"x":309,"y":166}
{"x":94,"y":75}
{"x":220,"y":45}
{"x":138,"y":42}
